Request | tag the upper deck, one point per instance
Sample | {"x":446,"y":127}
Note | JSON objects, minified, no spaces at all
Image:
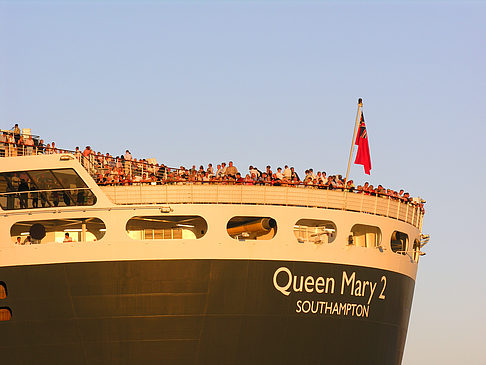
{"x":166,"y":190}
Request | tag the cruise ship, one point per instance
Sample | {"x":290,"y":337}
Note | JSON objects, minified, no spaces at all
{"x":197,"y":273}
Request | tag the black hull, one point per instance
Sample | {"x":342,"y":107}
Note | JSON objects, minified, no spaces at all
{"x":200,"y":312}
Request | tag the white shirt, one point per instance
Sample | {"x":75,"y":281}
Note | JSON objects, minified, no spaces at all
{"x":287,"y":173}
{"x":254,"y":171}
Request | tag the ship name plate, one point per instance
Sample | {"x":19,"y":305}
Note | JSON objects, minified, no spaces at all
{"x":339,"y":289}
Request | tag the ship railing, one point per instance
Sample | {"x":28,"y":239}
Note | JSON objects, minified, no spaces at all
{"x":24,"y":134}
{"x":12,"y":149}
{"x":96,"y":165}
{"x":299,"y":196}
{"x":99,"y":166}
{"x":45,"y":198}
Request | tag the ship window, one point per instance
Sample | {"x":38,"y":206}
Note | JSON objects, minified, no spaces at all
{"x":3,"y":290}
{"x":166,"y":227}
{"x":315,"y":231}
{"x":399,"y":242}
{"x":42,"y":189}
{"x":5,"y":314}
{"x":58,"y":230}
{"x":252,"y":228}
{"x":365,"y":236}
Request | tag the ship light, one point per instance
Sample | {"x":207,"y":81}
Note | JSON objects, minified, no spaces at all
{"x":66,"y":157}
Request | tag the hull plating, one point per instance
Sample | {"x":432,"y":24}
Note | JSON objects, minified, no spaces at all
{"x":204,"y":312}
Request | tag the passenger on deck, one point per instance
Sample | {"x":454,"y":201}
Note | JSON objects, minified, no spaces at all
{"x":128,"y":159}
{"x":254,"y":171}
{"x":294,"y":176}
{"x":16,"y":133}
{"x":12,"y":147}
{"x":29,"y":143}
{"x":249,"y":180}
{"x":287,"y":173}
{"x":238,"y":179}
{"x":39,"y":145}
{"x":34,"y":195}
{"x":231,"y":170}
{"x":23,"y":186}
{"x":350,"y":185}
{"x":210,"y":171}
{"x":219,"y":171}
{"x":223,"y":168}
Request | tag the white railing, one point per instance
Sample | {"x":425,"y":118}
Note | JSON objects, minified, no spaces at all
{"x":265,"y":195}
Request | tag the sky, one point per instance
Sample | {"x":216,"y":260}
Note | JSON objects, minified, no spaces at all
{"x":277,"y":82}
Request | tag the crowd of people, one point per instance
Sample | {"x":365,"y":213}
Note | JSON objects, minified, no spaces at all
{"x":14,"y":143}
{"x":127,"y":170}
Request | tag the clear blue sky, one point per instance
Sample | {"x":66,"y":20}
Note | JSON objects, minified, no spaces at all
{"x":277,"y":83}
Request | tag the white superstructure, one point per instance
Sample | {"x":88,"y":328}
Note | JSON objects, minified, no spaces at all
{"x":217,"y":205}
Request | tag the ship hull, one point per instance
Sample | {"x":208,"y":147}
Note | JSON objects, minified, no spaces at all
{"x":210,"y":311}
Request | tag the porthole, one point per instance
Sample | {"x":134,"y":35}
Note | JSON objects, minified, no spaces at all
{"x":399,"y":242}
{"x":3,"y":290}
{"x":5,"y":314}
{"x":166,"y":227}
{"x":251,"y":228}
{"x":365,"y":236}
{"x":315,"y":231}
{"x":58,"y":230}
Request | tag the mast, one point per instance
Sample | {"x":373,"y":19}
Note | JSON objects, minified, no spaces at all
{"x":360,"y":105}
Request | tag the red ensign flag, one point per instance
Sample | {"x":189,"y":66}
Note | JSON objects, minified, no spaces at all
{"x":363,"y":155}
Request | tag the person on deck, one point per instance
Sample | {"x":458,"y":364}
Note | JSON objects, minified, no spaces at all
{"x":231,"y":170}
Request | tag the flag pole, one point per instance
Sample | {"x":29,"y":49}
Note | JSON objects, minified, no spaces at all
{"x":360,"y":105}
